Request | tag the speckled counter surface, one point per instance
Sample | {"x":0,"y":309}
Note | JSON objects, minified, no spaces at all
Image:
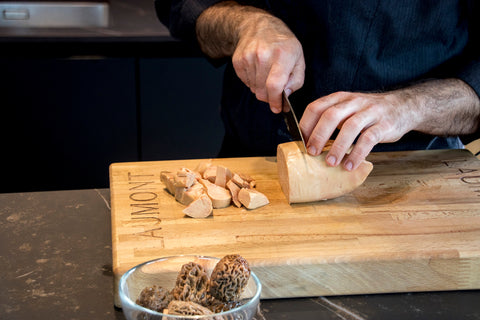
{"x":55,"y":262}
{"x":55,"y":255}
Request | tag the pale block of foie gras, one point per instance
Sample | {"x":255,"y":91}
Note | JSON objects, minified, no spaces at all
{"x":306,"y":178}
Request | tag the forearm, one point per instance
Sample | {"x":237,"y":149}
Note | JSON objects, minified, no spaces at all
{"x":445,"y":107}
{"x":266,"y":55}
{"x":219,"y":27}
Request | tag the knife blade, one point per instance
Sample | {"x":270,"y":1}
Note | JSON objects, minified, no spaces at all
{"x":292,"y":122}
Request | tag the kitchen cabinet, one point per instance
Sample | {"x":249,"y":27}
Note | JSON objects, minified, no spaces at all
{"x":66,"y":120}
{"x":74,"y":100}
{"x":180,"y":102}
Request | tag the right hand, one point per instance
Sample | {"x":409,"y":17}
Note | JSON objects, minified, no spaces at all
{"x":269,"y":58}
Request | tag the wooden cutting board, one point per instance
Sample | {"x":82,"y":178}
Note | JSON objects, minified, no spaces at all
{"x":414,"y":225}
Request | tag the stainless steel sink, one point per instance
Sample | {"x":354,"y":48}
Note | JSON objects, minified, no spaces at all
{"x":54,"y":14}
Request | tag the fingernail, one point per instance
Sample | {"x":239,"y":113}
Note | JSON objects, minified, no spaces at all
{"x":331,"y":160}
{"x":312,"y":150}
{"x":349,"y":165}
{"x":288,"y":92}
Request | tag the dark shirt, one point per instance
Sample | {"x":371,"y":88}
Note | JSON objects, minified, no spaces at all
{"x":368,"y":45}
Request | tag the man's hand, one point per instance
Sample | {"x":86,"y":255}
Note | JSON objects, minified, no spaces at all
{"x":266,"y":55}
{"x":269,"y":59}
{"x":373,"y":118}
{"x":437,"y":107}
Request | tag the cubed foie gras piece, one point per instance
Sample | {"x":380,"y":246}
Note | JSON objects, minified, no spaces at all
{"x":252,"y":199}
{"x":202,"y":166}
{"x":179,"y":193}
{"x":234,"y":189}
{"x":168,"y":179}
{"x":306,"y":178}
{"x":199,"y":208}
{"x":239,"y":181}
{"x":222,"y":176}
{"x":195,"y":173}
{"x":210,"y":173}
{"x":221,"y":197}
{"x":187,"y":195}
{"x":248,"y":179}
{"x":185,"y":178}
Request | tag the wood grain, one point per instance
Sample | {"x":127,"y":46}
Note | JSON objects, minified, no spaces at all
{"x":414,"y":225}
{"x":474,"y":147}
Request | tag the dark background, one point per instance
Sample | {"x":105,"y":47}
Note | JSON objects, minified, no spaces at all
{"x":75,"y":100}
{"x":65,"y":120}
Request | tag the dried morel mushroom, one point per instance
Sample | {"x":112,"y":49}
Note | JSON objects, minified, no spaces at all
{"x":229,"y":278}
{"x":187,"y":308}
{"x":154,"y":298}
{"x":191,"y":284}
{"x":217,"y":306}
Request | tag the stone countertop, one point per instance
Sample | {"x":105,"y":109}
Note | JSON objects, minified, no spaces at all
{"x":56,"y":261}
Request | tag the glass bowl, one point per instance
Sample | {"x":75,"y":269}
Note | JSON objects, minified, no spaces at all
{"x":163,"y":272}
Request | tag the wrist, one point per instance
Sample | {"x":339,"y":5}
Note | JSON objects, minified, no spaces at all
{"x":443,"y":107}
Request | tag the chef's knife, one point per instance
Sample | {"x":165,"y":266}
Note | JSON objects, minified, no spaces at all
{"x":292,"y":123}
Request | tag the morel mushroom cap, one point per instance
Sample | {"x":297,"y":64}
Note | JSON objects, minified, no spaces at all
{"x":187,"y":308}
{"x":154,"y":298}
{"x":191,"y":283}
{"x":229,"y":278}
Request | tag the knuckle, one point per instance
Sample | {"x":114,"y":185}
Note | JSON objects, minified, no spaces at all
{"x":273,"y":85}
{"x":243,"y":59}
{"x":360,"y":150}
{"x":304,"y":127}
{"x":339,"y":95}
{"x":278,"y":51}
{"x":246,"y":59}
{"x":298,"y":82}
{"x":317,"y":138}
{"x":261,"y":95}
{"x":371,"y":136}
{"x":355,"y":156}
{"x":331,"y":114}
{"x":339,"y":147}
{"x":315,"y":108}
{"x":388,"y":124}
{"x":356,"y":99}
{"x":358,"y":154}
{"x":353,"y":124}
{"x":238,"y":60}
{"x":356,"y":122}
{"x":237,"y":66}
{"x":262,"y":56}
{"x":312,"y":107}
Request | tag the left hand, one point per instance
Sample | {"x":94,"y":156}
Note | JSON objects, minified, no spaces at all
{"x":372,"y":117}
{"x":436,"y":107}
